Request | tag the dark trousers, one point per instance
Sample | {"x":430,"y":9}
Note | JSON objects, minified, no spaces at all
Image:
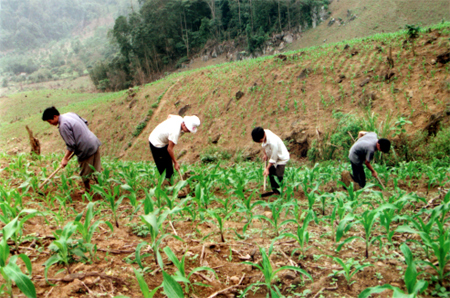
{"x":276,"y":172}
{"x":358,"y":174}
{"x":163,"y":160}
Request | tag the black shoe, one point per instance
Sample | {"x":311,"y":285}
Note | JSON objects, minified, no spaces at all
{"x":267,"y":194}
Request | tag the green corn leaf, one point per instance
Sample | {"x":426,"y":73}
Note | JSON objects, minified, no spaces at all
{"x":172,"y":257}
{"x":375,"y":290}
{"x":25,"y":259}
{"x":126,"y":187}
{"x":407,"y":253}
{"x":10,"y":229}
{"x":276,"y":293}
{"x":22,"y":281}
{"x":179,"y":278}
{"x":138,"y":253}
{"x":343,"y":226}
{"x":171,"y":288}
{"x":143,"y":285}
{"x":297,"y":269}
{"x":52,"y":260}
{"x":420,"y":286}
{"x":348,"y":240}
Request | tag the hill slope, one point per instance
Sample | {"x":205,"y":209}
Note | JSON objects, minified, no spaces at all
{"x":371,"y":17}
{"x":302,"y":96}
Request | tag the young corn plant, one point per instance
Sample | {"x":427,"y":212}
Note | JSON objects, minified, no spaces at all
{"x":171,"y":287}
{"x":181,"y":275}
{"x":276,"y":209}
{"x":219,"y":221}
{"x":65,"y":248}
{"x":112,"y":198}
{"x":87,"y":229}
{"x":154,"y":222}
{"x":441,"y":249}
{"x":9,"y":214}
{"x":202,"y":196}
{"x":413,"y":286}
{"x":146,"y":293}
{"x":421,"y":228}
{"x":270,"y":274}
{"x":9,"y":270}
{"x":311,"y":196}
{"x":367,"y":220}
{"x":349,"y":268}
{"x":302,"y":235}
{"x":245,"y":205}
{"x":132,"y":196}
{"x":387,"y":216}
{"x":438,"y":242}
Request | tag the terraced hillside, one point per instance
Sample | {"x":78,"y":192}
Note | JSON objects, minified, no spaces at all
{"x":302,"y":96}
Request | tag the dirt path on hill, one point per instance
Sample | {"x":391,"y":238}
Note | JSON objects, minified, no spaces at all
{"x":155,"y":112}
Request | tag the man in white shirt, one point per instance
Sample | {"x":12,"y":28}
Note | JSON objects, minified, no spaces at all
{"x":165,"y":136}
{"x":276,"y":153}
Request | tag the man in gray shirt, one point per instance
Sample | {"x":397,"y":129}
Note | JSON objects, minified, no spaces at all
{"x":362,"y":153}
{"x":79,"y":140}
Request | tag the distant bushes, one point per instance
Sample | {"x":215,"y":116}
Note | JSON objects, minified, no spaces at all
{"x":164,"y":34}
{"x":214,"y":155}
{"x":41,"y":75}
{"x":336,"y":143}
{"x":439,"y":146}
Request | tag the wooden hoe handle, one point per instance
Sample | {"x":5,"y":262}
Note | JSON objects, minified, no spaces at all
{"x":51,"y":176}
{"x":181,"y":176}
{"x":265,"y":178}
{"x":54,"y":173}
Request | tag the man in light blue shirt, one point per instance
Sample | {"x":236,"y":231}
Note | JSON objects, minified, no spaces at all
{"x":362,"y":153}
{"x":79,"y":140}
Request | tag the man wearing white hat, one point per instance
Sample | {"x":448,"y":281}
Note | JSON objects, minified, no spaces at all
{"x":165,"y":136}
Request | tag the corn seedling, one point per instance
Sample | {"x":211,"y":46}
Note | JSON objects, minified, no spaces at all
{"x":413,"y":286}
{"x":349,"y":268}
{"x":180,"y":274}
{"x":269,"y":274}
{"x":9,"y":270}
{"x":154,"y":222}
{"x":302,"y":235}
{"x":87,"y":229}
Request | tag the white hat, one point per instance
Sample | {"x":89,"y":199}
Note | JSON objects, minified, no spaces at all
{"x":191,"y":122}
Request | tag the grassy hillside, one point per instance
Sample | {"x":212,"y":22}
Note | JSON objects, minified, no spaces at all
{"x":304,"y":96}
{"x":372,"y":17}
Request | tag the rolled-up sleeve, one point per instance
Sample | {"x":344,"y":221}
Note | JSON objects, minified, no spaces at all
{"x":68,"y":138}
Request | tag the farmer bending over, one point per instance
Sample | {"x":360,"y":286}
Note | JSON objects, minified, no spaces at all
{"x":276,"y":153}
{"x":79,"y":139}
{"x":362,"y":152}
{"x":165,"y":136}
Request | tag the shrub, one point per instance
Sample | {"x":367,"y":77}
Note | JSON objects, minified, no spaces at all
{"x":337,"y":143}
{"x":214,"y":154}
{"x":41,"y":75}
{"x":181,"y":61}
{"x":439,"y":146}
{"x":140,"y":127}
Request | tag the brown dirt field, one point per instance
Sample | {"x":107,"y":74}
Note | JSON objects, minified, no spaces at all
{"x":202,"y":247}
